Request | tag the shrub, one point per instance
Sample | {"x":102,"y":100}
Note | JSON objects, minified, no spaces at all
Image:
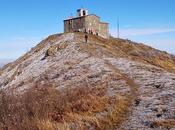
{"x":44,"y":107}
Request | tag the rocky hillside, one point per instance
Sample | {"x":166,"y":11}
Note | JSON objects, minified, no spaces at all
{"x":106,"y":84}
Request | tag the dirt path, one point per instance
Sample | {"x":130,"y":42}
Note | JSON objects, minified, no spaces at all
{"x":152,"y":92}
{"x":156,"y":95}
{"x":133,"y":87}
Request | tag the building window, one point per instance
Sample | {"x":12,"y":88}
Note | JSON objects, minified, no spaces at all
{"x":84,"y":12}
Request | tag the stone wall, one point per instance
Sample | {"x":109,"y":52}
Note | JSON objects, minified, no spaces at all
{"x":89,"y":23}
{"x":103,"y":30}
{"x":92,"y":23}
{"x":74,"y":25}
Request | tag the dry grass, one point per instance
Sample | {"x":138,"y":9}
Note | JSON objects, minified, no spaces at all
{"x":168,"y":123}
{"x":77,"y":108}
{"x":117,"y":114}
{"x":49,"y":125}
{"x":45,"y":108}
{"x":128,"y":49}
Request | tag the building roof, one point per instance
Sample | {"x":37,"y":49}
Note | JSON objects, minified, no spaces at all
{"x":104,"y":23}
{"x":82,"y":17}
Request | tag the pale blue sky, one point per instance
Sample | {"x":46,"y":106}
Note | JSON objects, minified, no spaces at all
{"x":24,"y":23}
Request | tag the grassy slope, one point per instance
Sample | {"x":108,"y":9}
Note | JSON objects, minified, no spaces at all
{"x":82,"y":109}
{"x":139,"y":52}
{"x":119,"y":48}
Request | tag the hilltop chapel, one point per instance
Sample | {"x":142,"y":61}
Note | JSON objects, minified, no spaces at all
{"x":87,"y":23}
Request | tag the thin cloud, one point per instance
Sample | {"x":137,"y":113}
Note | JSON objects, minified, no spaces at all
{"x":141,"y":31}
{"x":139,"y":34}
{"x":165,"y":45}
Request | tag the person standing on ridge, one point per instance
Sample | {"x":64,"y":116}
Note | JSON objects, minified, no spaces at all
{"x":86,"y":38}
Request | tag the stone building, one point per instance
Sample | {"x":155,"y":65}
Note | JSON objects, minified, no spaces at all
{"x":85,"y":22}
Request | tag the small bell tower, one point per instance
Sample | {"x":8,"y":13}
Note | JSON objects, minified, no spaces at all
{"x":82,"y":12}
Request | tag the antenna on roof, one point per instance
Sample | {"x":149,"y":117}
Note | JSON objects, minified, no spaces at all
{"x":118,"y":29}
{"x":71,"y":16}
